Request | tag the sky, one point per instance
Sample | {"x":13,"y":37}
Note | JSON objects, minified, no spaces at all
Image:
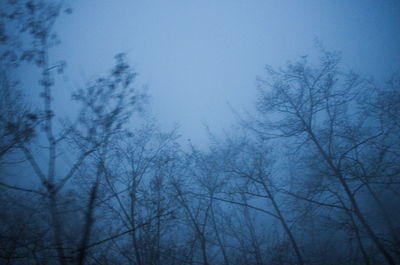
{"x":199,"y":58}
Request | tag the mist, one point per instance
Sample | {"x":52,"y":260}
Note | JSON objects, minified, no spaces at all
{"x":199,"y":132}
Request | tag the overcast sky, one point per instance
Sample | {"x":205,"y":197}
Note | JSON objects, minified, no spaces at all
{"x":199,"y":57}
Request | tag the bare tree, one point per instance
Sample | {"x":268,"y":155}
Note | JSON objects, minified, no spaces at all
{"x":136,"y":171}
{"x":17,"y":121}
{"x":317,"y":108}
{"x":106,"y":106}
{"x":253,"y":168}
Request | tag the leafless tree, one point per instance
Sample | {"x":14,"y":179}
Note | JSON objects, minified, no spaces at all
{"x":316,"y":108}
{"x":106,"y":106}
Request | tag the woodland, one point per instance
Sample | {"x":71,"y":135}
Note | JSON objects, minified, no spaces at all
{"x":312,"y":177}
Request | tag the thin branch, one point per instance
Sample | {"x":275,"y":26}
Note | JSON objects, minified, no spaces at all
{"x":121,"y":234}
{"x":242,"y":204}
{"x":74,"y":168}
{"x":316,"y":202}
{"x":21,"y":189}
{"x":33,"y":163}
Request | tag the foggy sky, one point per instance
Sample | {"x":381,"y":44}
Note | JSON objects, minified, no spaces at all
{"x":199,"y":57}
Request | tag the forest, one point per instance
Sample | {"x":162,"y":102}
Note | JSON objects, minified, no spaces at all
{"x":312,"y":176}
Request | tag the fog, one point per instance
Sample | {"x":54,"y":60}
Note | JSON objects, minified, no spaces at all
{"x":199,"y":132}
{"x":198,"y":58}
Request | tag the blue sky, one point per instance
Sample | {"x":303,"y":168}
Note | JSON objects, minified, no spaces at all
{"x":199,"y":57}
